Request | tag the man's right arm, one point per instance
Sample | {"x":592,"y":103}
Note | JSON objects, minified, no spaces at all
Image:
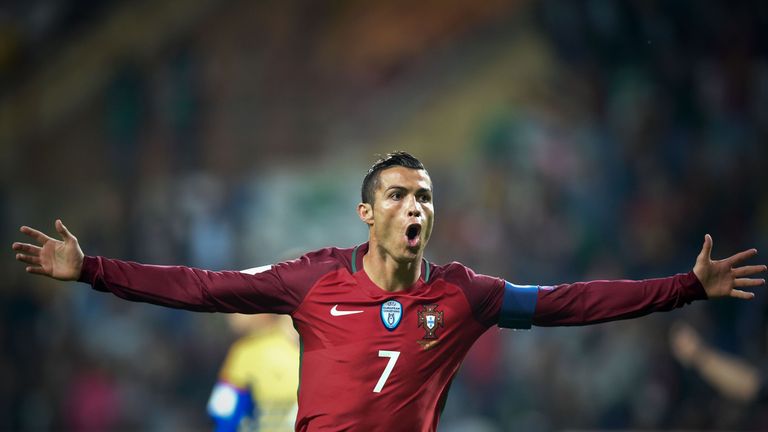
{"x":276,"y":289}
{"x":190,"y":288}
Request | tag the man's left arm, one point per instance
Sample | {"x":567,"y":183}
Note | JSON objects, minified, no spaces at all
{"x":600,"y":301}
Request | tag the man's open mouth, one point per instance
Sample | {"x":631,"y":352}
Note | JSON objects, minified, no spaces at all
{"x":412,"y":234}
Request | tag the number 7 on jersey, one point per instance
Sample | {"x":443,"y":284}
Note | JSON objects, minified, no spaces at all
{"x":393,"y":355}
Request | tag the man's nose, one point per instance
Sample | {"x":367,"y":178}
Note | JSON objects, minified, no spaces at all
{"x":414,"y":210}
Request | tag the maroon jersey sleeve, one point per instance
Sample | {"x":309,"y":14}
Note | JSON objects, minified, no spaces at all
{"x":483,"y":292}
{"x":277,"y":289}
{"x":599,"y":301}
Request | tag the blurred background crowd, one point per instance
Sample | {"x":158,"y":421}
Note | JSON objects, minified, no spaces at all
{"x":567,"y":140}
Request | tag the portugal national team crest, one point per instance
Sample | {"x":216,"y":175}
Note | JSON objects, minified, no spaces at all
{"x":430,"y":319}
{"x":391,"y":313}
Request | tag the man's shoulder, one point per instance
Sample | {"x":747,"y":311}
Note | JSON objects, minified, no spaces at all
{"x":482,"y":292}
{"x":297,"y":276}
{"x":459,"y":274}
{"x":327,"y":258}
{"x":449,"y":270}
{"x":332,"y":253}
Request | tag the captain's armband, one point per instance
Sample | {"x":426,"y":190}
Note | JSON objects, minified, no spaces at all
{"x":518,"y":306}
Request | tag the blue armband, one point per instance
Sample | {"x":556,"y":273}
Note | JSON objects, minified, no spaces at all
{"x":518,"y":306}
{"x":228,"y":406}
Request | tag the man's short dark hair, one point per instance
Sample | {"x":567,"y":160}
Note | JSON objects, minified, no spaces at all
{"x":398,"y":158}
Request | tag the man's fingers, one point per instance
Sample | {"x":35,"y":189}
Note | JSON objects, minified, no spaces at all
{"x":27,"y":248}
{"x":35,"y":234}
{"x":741,"y":256}
{"x":28,"y":259}
{"x":36,"y":270}
{"x":744,"y":295}
{"x":65,"y":234}
{"x":749,"y":270}
{"x":747,"y":282}
{"x":706,"y":248}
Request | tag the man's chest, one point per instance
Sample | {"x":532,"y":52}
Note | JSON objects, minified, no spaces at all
{"x":360,"y":345}
{"x":344,"y":314}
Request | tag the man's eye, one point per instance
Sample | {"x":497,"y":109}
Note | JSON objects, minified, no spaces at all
{"x":396,"y":195}
{"x":425,"y":198}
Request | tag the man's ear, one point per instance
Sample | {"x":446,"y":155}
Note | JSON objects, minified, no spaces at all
{"x":365,"y":211}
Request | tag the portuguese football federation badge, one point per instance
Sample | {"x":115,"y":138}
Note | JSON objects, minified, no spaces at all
{"x":391,"y":313}
{"x":430,"y":319}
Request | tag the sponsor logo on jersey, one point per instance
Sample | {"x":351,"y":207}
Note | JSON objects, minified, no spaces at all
{"x":391,"y":313}
{"x":336,"y":312}
{"x":430,"y":319}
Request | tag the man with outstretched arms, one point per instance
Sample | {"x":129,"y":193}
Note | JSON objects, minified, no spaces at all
{"x":383,"y":331}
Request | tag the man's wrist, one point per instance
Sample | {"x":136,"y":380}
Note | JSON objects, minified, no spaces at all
{"x":88,"y":268}
{"x":693,"y":288}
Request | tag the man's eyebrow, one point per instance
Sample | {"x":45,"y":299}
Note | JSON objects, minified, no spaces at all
{"x":398,"y":187}
{"x":395,"y":187}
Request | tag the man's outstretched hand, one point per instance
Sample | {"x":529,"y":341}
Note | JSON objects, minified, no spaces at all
{"x":722,"y":278}
{"x":59,"y":259}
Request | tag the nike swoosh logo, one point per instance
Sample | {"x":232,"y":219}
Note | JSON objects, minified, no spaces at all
{"x":336,"y":312}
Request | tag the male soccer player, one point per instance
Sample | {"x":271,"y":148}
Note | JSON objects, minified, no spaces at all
{"x":382,"y":330}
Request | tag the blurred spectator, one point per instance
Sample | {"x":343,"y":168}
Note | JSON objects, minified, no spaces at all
{"x":733,"y":377}
{"x":258,"y":382}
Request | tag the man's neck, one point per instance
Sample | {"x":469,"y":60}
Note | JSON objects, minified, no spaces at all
{"x":388,"y":274}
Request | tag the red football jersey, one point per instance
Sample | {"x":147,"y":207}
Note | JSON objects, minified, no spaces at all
{"x":375,"y":360}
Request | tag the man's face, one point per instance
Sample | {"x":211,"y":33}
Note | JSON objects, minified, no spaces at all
{"x":402,"y":214}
